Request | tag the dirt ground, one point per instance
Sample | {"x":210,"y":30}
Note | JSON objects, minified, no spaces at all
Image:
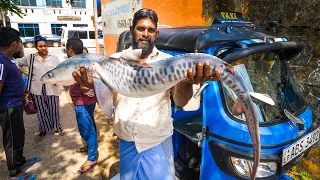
{"x":59,"y":159}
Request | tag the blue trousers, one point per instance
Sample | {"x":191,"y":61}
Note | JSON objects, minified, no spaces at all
{"x":87,"y":129}
{"x":155,"y":163}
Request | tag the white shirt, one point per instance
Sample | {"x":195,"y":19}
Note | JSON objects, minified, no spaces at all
{"x":39,"y":69}
{"x":145,"y":121}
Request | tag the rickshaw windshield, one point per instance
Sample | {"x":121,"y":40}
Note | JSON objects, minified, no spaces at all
{"x":266,"y":73}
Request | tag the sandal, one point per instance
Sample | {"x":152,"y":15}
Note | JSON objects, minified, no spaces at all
{"x":82,"y":149}
{"x":31,"y":162}
{"x":60,"y":131}
{"x":41,"y":136}
{"x":85,"y":168}
{"x":27,"y":176}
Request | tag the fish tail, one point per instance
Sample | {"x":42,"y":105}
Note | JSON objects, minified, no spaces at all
{"x":256,"y":161}
{"x":253,"y":127}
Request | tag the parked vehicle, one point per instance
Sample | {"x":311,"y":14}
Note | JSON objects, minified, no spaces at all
{"x":212,"y":143}
{"x":52,"y":40}
{"x":86,"y":34}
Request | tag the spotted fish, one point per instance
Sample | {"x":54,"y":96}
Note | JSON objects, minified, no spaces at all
{"x":125,"y":76}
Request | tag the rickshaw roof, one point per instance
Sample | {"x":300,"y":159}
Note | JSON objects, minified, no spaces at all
{"x":198,"y":38}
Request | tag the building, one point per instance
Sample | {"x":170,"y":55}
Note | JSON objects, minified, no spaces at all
{"x":48,"y":16}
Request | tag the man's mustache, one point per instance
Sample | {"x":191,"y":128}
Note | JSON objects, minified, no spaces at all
{"x":144,"y":39}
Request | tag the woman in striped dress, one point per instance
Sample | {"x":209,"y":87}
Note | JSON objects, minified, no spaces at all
{"x":46,"y":96}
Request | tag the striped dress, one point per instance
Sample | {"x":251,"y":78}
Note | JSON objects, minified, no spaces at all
{"x":47,"y":111}
{"x":46,"y":96}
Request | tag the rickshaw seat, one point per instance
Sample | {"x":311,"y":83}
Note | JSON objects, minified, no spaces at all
{"x":190,"y":127}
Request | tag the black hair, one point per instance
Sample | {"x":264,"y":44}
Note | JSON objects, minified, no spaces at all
{"x":20,"y":53}
{"x":8,"y":36}
{"x":144,"y":13}
{"x":38,"y":38}
{"x":76,"y":45}
{"x":85,"y":49}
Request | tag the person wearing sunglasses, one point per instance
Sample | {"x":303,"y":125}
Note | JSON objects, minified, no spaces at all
{"x":46,"y":96}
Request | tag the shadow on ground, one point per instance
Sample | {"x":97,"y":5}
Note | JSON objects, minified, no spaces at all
{"x":58,"y":153}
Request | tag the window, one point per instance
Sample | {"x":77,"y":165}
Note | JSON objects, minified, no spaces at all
{"x":80,"y":25}
{"x":83,"y":34}
{"x":73,"y":34}
{"x":54,"y":3}
{"x":79,"y":4}
{"x":267,"y":73}
{"x":91,"y":35}
{"x":78,"y":34}
{"x":28,"y":30}
{"x":26,"y":3}
{"x":56,"y":28}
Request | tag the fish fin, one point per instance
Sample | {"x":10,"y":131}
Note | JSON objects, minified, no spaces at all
{"x":132,"y":55}
{"x":230,"y":68}
{"x":104,"y":95}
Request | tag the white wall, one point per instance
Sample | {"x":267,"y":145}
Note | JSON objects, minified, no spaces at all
{"x":45,"y":16}
{"x":15,"y":26}
{"x":45,"y":28}
{"x":50,"y":15}
{"x":89,"y":4}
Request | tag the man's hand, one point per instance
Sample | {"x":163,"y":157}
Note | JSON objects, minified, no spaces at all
{"x":202,"y":74}
{"x":83,"y":80}
{"x":182,"y":92}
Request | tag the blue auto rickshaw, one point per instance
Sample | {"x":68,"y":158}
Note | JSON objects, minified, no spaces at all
{"x":212,"y":143}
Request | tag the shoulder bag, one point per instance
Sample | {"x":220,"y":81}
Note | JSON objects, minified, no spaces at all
{"x":28,"y":102}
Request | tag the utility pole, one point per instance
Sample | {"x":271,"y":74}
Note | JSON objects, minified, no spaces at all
{"x":95,"y":15}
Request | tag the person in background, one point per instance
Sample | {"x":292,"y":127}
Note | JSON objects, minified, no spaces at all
{"x":46,"y":96}
{"x":84,"y":102}
{"x":23,"y":70}
{"x":11,"y":110}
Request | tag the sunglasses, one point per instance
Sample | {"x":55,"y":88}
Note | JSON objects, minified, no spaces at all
{"x":41,"y":38}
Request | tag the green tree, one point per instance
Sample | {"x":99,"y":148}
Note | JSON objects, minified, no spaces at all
{"x":10,"y":5}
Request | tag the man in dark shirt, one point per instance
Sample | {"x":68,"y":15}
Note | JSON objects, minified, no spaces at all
{"x":11,"y":112}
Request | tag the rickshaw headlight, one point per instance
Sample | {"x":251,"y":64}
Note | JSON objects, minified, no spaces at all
{"x":243,"y":167}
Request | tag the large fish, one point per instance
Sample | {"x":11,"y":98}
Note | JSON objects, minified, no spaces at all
{"x":125,"y":76}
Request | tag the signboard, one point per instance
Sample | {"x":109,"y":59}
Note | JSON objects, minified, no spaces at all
{"x":68,"y":18}
{"x":229,"y":17}
{"x":117,"y":15}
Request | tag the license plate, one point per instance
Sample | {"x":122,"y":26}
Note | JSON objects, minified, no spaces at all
{"x":299,"y":147}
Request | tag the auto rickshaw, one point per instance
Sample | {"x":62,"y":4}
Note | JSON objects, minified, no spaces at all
{"x":212,"y":143}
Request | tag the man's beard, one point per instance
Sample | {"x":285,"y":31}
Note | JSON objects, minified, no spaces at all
{"x":146,"y":48}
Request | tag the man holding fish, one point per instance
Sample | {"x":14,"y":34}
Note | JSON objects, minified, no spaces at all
{"x":144,"y":79}
{"x":144,"y":125}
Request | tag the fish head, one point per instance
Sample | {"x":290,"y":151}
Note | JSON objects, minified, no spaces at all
{"x":132,"y":55}
{"x":62,"y":74}
{"x":57,"y":77}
